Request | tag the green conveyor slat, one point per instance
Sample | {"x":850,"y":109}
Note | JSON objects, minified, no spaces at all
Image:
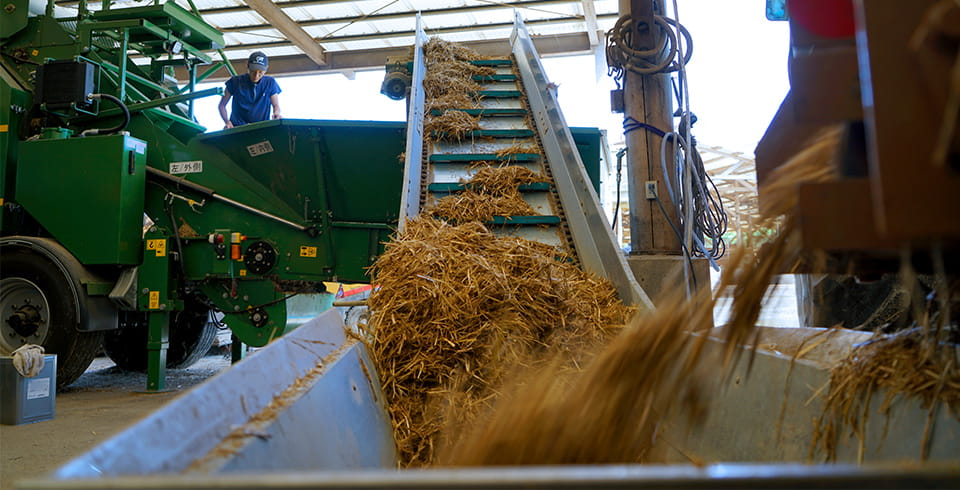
{"x":479,"y":157}
{"x":495,"y":78}
{"x":450,"y":187}
{"x":485,"y":112}
{"x":499,"y":94}
{"x":525,"y":220}
{"x":492,"y":62}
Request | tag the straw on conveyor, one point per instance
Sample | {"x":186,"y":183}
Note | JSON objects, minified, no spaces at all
{"x":451,"y":125}
{"x":494,"y":191}
{"x":459,"y":308}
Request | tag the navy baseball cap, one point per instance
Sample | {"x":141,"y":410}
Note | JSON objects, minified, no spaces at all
{"x":257,"y":61}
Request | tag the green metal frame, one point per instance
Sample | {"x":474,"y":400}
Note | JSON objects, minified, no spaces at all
{"x":156,"y":298}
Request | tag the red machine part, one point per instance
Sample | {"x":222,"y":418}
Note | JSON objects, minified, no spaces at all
{"x":826,"y":18}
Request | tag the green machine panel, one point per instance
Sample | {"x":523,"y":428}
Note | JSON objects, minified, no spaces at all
{"x":588,"y":145}
{"x":88,"y":193}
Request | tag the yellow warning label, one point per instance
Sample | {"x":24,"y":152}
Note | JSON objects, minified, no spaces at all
{"x":243,"y":272}
{"x":4,"y":128}
{"x":35,"y":52}
{"x":306,"y":251}
{"x":158,"y":245}
{"x":154,"y":300}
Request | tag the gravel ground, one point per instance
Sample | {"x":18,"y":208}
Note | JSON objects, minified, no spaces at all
{"x":104,"y":375}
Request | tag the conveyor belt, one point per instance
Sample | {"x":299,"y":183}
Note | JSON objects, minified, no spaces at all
{"x":517,"y":110}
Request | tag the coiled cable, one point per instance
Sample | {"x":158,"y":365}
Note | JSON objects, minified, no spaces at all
{"x":664,"y":57}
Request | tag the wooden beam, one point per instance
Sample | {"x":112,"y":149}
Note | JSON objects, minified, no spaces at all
{"x":590,"y":15}
{"x":289,"y":27}
{"x":382,"y":16}
{"x":375,"y":59}
{"x":407,"y":36}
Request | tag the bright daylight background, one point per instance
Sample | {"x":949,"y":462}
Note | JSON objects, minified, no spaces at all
{"x":738,"y":76}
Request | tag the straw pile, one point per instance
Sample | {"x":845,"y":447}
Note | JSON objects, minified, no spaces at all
{"x":609,"y":413}
{"x":904,"y":364}
{"x":449,"y":84}
{"x":471,"y":205}
{"x":492,"y":191}
{"x":515,"y":149}
{"x":459,"y":308}
{"x":451,"y":125}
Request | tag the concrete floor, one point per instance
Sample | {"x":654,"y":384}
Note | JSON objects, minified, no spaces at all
{"x":101,"y":403}
{"x":105,"y":400}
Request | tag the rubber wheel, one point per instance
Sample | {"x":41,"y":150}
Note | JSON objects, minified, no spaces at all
{"x":191,"y":336}
{"x":27,"y":277}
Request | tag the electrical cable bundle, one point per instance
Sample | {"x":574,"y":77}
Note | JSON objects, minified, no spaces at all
{"x":709,"y":218}
{"x":703,"y":220}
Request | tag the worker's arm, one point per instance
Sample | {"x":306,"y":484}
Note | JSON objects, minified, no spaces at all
{"x":275,"y":102}
{"x":223,"y":109}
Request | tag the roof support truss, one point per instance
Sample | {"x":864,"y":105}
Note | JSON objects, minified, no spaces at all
{"x":293,"y":31}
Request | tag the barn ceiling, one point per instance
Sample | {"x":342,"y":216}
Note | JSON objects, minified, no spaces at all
{"x":313,"y":36}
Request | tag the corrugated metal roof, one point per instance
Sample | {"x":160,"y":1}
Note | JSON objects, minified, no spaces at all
{"x":353,"y":33}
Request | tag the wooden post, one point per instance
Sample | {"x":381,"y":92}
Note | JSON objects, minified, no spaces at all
{"x":648,"y":100}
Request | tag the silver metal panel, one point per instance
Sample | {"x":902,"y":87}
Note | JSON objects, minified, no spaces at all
{"x":173,"y":438}
{"x":503,"y":122}
{"x":501,"y":104}
{"x":766,"y":413}
{"x":592,"y":236}
{"x":340,"y":408}
{"x":540,"y":202}
{"x":413,"y":165}
{"x":720,"y":476}
{"x":481,"y":145}
{"x":499,"y":85}
{"x":453,"y":172}
{"x":549,"y":235}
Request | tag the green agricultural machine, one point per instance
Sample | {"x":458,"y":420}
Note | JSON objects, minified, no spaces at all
{"x":124,"y":225}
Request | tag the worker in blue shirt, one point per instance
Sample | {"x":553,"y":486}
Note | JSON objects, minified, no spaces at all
{"x":253,"y":94}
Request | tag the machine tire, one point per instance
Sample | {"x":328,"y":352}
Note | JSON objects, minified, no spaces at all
{"x":25,"y":272}
{"x":191,"y":336}
{"x":194,"y":336}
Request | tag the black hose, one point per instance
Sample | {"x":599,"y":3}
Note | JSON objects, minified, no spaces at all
{"x":115,"y":129}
